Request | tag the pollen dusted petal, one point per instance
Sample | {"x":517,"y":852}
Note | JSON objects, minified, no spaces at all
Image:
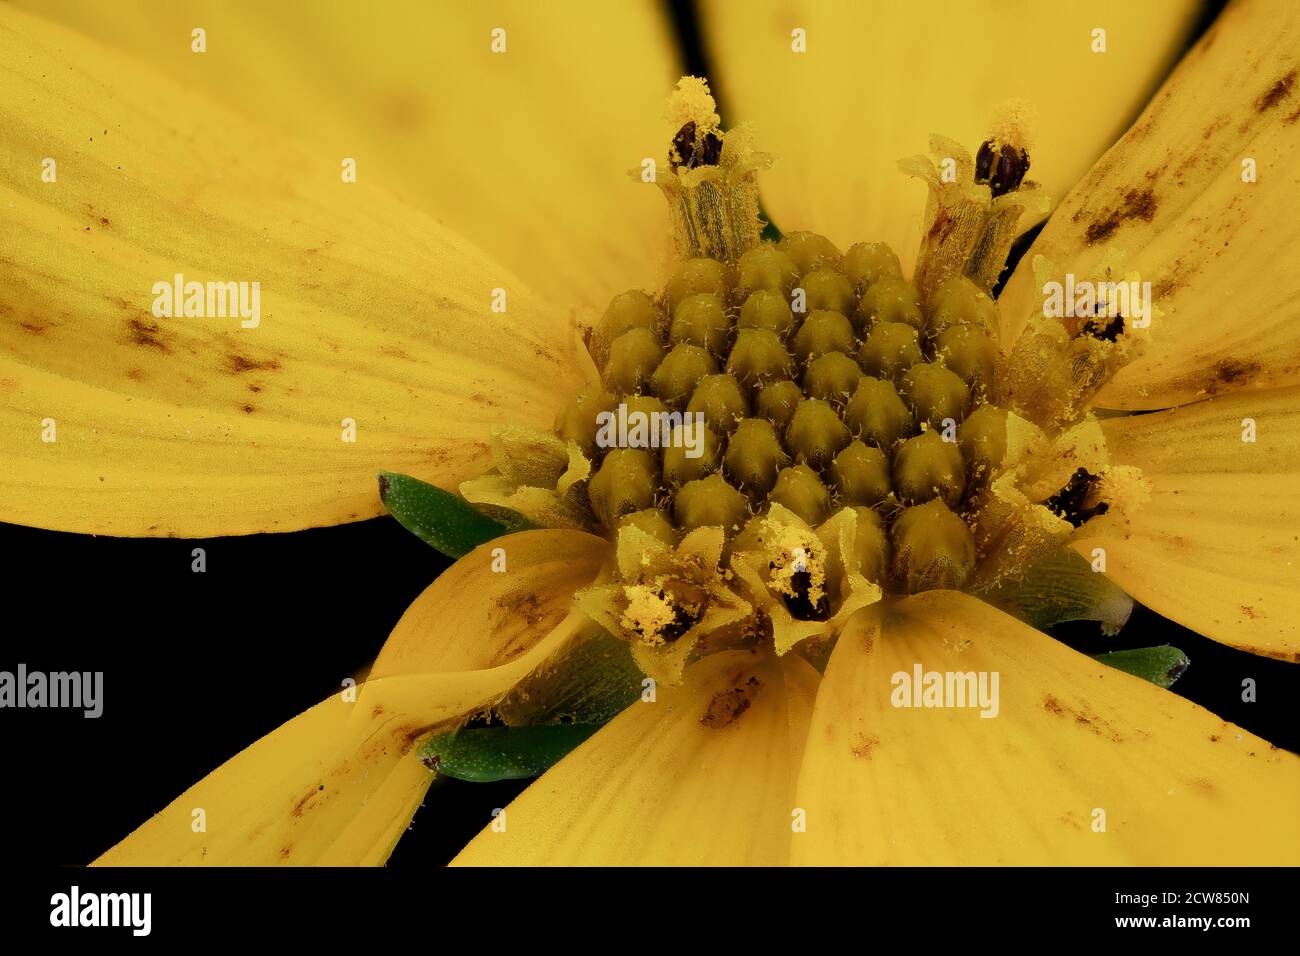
{"x":1172,"y":194}
{"x":838,"y":174}
{"x":943,"y":786}
{"x":1215,"y":547}
{"x":338,"y":784}
{"x":703,"y":776}
{"x":371,"y":313}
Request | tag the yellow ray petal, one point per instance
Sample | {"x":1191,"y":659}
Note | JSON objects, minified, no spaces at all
{"x":339,"y":783}
{"x":525,"y":152}
{"x":1215,"y":549}
{"x":1173,"y":196}
{"x":1072,"y":740}
{"x":879,"y":77}
{"x":369,"y":314}
{"x":500,"y":613}
{"x":658,"y":786}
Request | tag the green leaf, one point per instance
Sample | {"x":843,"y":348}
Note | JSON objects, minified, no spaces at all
{"x":1160,"y":665}
{"x":487,"y":754}
{"x":438,"y":518}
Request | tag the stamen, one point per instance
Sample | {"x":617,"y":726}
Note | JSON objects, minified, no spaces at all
{"x":800,"y":604}
{"x":690,"y":150}
{"x":1070,"y":502}
{"x":1106,"y":331}
{"x":710,"y":186}
{"x":1001,"y":169}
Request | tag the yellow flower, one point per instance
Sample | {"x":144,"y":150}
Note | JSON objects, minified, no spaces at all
{"x":432,"y":308}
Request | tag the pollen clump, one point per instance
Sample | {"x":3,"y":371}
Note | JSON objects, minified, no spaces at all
{"x":691,"y":102}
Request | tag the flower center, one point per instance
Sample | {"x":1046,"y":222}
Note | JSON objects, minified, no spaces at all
{"x":784,"y":430}
{"x":800,"y":376}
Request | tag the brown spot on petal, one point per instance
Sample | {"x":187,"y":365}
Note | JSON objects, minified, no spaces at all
{"x":863,"y":746}
{"x":403,"y":110}
{"x":240,"y":363}
{"x":1084,"y":719}
{"x":1138,"y":204}
{"x":146,"y":333}
{"x":1276,"y":93}
{"x":1234,"y":372}
{"x":301,"y":805}
{"x":727,"y":705}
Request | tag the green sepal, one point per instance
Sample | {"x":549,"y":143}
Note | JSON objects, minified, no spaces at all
{"x":1063,"y":587}
{"x":590,"y":683}
{"x":487,"y":754}
{"x":1160,"y":665}
{"x":439,"y":518}
{"x":769,"y":232}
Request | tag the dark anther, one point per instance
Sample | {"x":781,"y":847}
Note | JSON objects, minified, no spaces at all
{"x":683,"y":621}
{"x":688,"y":605}
{"x":690,"y":151}
{"x":683,"y":147}
{"x":1069,"y":502}
{"x":984,"y":161}
{"x":1003,"y":170}
{"x":1107,"y":331}
{"x":799,"y":605}
{"x":711,"y":150}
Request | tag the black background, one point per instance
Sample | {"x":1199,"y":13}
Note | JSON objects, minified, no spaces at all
{"x":197,"y":666}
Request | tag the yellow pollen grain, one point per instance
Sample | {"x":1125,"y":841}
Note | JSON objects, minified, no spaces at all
{"x":793,"y":550}
{"x":691,"y":102}
{"x":648,"y":613}
{"x":1013,"y":124}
